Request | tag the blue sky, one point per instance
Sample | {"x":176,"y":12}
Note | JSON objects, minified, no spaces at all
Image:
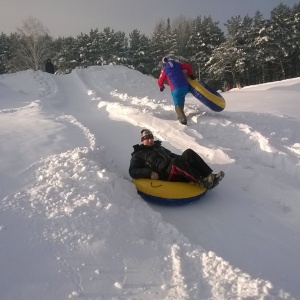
{"x":71,"y":17}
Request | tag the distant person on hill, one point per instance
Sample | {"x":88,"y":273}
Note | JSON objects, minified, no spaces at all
{"x":49,"y":67}
{"x":172,"y":71}
{"x":151,"y":160}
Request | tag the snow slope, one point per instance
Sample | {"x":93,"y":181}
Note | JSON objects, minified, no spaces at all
{"x":73,"y":227}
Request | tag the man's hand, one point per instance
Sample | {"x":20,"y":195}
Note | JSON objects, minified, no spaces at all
{"x":154,"y":175}
{"x":162,"y":88}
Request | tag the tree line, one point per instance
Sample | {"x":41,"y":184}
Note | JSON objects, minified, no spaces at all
{"x":253,"y":50}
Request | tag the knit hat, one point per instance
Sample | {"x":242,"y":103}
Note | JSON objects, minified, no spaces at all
{"x":145,"y":132}
{"x":165,"y":59}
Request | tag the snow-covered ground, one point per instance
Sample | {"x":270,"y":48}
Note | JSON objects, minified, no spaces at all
{"x":73,"y":227}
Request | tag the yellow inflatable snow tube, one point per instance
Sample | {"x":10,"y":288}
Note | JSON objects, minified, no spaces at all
{"x":206,"y":95}
{"x":168,"y":193}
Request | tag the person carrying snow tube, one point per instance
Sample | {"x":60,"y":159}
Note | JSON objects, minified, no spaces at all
{"x":172,"y":71}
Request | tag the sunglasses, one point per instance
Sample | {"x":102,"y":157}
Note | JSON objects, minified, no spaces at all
{"x":147,"y":137}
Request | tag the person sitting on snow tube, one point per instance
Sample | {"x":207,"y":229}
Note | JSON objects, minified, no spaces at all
{"x":151,"y":160}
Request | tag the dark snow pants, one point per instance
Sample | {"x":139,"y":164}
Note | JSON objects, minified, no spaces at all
{"x":189,"y":166}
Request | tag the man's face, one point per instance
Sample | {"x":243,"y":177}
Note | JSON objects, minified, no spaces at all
{"x":148,"y":140}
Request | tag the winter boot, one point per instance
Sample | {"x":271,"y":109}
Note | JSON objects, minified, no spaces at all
{"x":180,"y":114}
{"x":217,"y":178}
{"x":207,"y":182}
{"x":212,"y":180}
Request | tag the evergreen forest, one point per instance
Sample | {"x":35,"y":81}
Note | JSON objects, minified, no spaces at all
{"x":253,"y":50}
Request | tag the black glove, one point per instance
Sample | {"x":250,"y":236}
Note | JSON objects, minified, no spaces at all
{"x":162,"y":89}
{"x":192,"y":77}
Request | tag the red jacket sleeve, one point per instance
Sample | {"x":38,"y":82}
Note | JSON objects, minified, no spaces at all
{"x":161,"y":79}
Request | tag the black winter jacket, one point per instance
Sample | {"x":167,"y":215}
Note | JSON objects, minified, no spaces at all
{"x":145,"y":159}
{"x":49,"y":67}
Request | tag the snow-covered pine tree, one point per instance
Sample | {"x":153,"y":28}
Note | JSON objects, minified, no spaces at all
{"x":281,"y":39}
{"x":4,"y":53}
{"x":205,"y":37}
{"x":229,"y":57}
{"x":139,"y":52}
{"x":66,"y":54}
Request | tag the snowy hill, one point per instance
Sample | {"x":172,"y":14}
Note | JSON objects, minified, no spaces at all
{"x":73,"y":227}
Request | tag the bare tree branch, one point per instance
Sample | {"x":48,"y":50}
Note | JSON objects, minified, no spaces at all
{"x":31,"y":46}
